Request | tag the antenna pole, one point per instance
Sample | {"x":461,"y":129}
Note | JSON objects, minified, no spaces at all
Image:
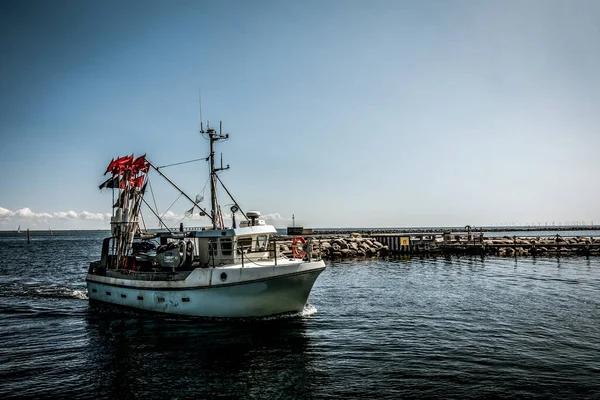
{"x":200,"y":102}
{"x":213,"y":185}
{"x":215,"y":137}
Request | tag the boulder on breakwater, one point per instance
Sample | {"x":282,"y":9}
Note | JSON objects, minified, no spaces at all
{"x":338,"y":247}
{"x":524,"y":246}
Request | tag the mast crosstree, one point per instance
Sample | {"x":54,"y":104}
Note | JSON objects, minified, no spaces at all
{"x":213,"y":136}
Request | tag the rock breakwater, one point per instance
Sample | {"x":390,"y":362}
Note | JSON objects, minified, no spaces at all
{"x":353,"y":246}
{"x":356,"y":245}
{"x":524,"y":246}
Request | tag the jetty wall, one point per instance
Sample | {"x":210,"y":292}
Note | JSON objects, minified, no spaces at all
{"x":430,"y":243}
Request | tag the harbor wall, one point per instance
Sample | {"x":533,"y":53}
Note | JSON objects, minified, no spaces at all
{"x":427,"y":243}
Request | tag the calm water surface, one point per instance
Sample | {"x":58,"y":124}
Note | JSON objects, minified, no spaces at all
{"x":445,"y":327}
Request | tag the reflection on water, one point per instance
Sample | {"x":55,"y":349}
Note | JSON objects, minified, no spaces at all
{"x":141,"y":356}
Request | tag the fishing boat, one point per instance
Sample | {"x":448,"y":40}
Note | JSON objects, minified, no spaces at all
{"x":216,"y":271}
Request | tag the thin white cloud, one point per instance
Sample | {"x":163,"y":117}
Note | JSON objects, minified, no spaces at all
{"x":25,"y":212}
{"x":29,"y":215}
{"x":85,"y":219}
{"x":94,"y":216}
{"x":171,"y":216}
{"x":5,"y":213}
{"x":66,"y":215}
{"x":273,"y":217}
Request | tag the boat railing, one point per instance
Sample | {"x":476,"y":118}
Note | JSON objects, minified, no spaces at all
{"x":110,"y":260}
{"x":313,"y":252}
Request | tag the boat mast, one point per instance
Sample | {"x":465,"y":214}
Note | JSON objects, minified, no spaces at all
{"x":214,"y":137}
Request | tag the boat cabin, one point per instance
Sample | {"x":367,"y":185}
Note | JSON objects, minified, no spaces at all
{"x":232,"y":246}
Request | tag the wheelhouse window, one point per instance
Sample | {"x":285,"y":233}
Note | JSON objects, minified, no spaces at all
{"x":261,"y":243}
{"x":226,"y":246}
{"x":244,"y":244}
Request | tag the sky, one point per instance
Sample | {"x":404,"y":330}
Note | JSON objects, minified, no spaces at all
{"x":341,"y":113}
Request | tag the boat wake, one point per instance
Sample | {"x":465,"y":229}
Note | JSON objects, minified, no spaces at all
{"x":41,"y":291}
{"x":307,"y":311}
{"x":79,"y":294}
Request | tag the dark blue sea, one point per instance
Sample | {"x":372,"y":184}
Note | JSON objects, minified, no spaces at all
{"x":404,"y":328}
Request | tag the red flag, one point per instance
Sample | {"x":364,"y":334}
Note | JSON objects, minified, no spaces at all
{"x":137,"y":182}
{"x":119,"y":165}
{"x":140,"y":164}
{"x":110,"y":166}
{"x":125,"y":164}
{"x":122,"y":164}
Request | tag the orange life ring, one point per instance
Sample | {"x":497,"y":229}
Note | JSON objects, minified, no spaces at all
{"x":298,"y":254}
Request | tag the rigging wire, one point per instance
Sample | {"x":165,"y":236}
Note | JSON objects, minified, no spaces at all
{"x":180,"y":221}
{"x":160,"y":221}
{"x":156,"y":215}
{"x":183,"y":162}
{"x":196,"y":204}
{"x":205,"y":184}
{"x":143,"y":221}
{"x":153,"y":198}
{"x":172,"y":204}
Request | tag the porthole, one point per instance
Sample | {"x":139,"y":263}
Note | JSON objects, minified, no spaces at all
{"x":94,"y":290}
{"x":223,"y":276}
{"x":140,"y":298}
{"x":185,"y":299}
{"x":108,"y":293}
{"x":160,"y":299}
{"x":123,"y":296}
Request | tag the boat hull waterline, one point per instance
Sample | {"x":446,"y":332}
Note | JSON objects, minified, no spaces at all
{"x":285,"y":292}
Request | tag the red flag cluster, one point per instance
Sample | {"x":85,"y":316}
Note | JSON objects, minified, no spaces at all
{"x":128,"y":163}
{"x":128,"y":168}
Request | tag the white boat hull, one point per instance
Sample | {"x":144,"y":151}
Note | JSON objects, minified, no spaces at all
{"x":245,"y":292}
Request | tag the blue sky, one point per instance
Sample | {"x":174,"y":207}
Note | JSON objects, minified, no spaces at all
{"x":344,"y":113}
